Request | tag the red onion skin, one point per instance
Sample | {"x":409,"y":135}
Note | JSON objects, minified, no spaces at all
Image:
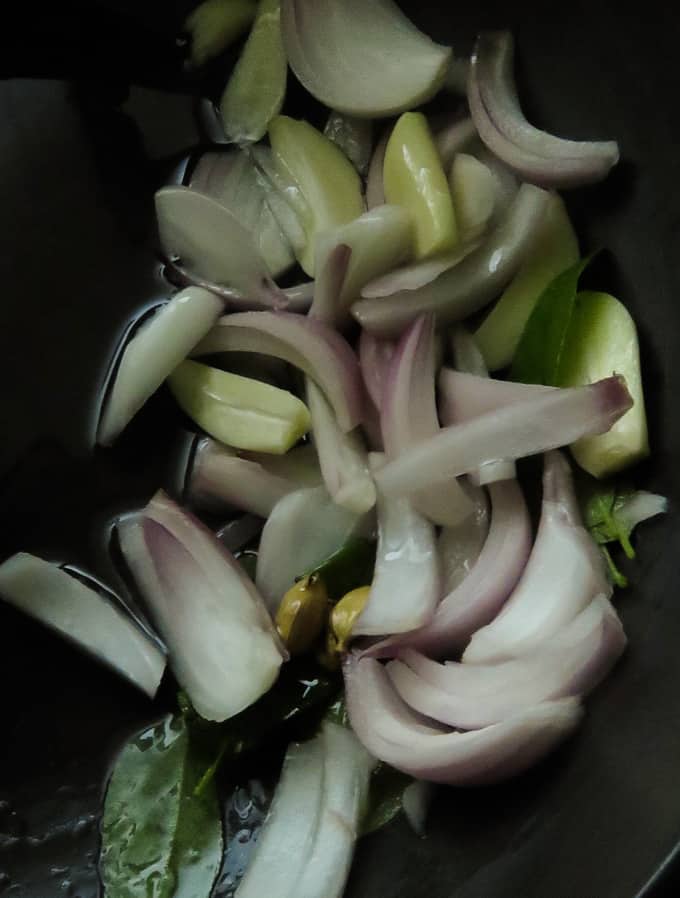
{"x":483,"y":591}
{"x":396,"y":736}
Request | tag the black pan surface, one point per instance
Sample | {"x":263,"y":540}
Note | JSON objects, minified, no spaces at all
{"x":95,"y":112}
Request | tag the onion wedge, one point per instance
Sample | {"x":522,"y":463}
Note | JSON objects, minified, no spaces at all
{"x":474,"y":191}
{"x":375,"y":357}
{"x":379,"y":240}
{"x":479,"y":596}
{"x":347,"y":769}
{"x":362,"y":59}
{"x":392,"y":732}
{"x":233,"y":179}
{"x":406,"y":582}
{"x":332,"y":273}
{"x":310,"y":345}
{"x":471,"y":696}
{"x":470,"y":285}
{"x":219,"y":477}
{"x":153,"y":353}
{"x":213,"y":244}
{"x":536,"y":156}
{"x":409,"y":416}
{"x":468,"y":358}
{"x":291,"y":827}
{"x":564,"y":573}
{"x":416,"y":274}
{"x":304,"y":529}
{"x":222,"y":645}
{"x":83,"y":616}
{"x":375,"y":187}
{"x":526,"y":428}
{"x":342,"y":456}
{"x":465,"y":396}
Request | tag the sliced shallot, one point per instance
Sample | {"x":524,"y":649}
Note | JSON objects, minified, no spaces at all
{"x":305,"y":343}
{"x":342,"y":456}
{"x":379,"y":240}
{"x":211,"y":243}
{"x":479,"y":596}
{"x":222,"y":645}
{"x":232,"y":179}
{"x":406,"y":583}
{"x":465,"y":396}
{"x":471,"y":696}
{"x":304,"y":529}
{"x":375,"y":188}
{"x":395,"y":735}
{"x":84,"y":616}
{"x":153,"y":353}
{"x":409,"y":416}
{"x":469,"y":285}
{"x":468,"y":358}
{"x":564,"y":573}
{"x":332,"y":272}
{"x":534,"y":155}
{"x":291,"y":826}
{"x":456,"y":137}
{"x":219,"y":477}
{"x":347,"y":770}
{"x":375,"y":357}
{"x":526,"y":428}
{"x":362,"y":59}
{"x":416,"y":274}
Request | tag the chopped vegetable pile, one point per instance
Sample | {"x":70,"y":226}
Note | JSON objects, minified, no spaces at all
{"x":375,"y":275}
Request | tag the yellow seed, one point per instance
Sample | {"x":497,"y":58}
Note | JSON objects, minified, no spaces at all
{"x":345,"y":613}
{"x":302,"y":614}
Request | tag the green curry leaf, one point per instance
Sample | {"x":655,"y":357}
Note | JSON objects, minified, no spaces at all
{"x":160,"y":840}
{"x":385,"y":797}
{"x":538,"y":358}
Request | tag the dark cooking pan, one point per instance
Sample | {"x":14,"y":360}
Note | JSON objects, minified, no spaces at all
{"x":82,"y":147}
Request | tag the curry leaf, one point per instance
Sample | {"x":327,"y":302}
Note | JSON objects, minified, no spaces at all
{"x":611,"y":512}
{"x":538,"y":358}
{"x":385,"y":797}
{"x":158,"y":838}
{"x":349,"y":568}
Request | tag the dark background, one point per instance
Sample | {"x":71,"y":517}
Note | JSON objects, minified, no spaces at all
{"x":79,"y":159}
